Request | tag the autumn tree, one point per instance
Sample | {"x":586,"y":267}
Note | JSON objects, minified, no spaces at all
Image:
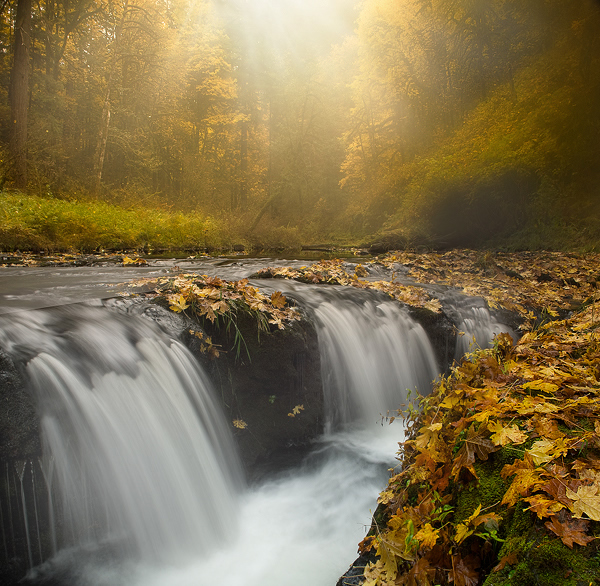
{"x":19,"y":92}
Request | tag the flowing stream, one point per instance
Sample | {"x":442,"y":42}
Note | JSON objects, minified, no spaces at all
{"x":140,"y":463}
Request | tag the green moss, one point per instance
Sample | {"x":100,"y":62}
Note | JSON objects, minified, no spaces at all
{"x":487,"y":491}
{"x":545,"y":561}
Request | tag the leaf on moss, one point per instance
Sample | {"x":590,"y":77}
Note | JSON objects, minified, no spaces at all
{"x":508,"y":560}
{"x":542,"y":451}
{"x":586,"y":501}
{"x":501,"y":436}
{"x":476,"y":445}
{"x":542,"y":506}
{"x":526,"y":477}
{"x":571,"y":531}
{"x":462,"y":532}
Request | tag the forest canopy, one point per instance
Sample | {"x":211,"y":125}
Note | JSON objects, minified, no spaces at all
{"x":436,"y":122}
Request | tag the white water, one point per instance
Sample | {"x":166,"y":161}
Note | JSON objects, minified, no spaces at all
{"x":373,"y":353}
{"x":136,"y":449}
{"x":477,"y":328}
{"x":141,"y":455}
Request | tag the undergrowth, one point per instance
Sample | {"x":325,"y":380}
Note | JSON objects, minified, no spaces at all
{"x":31,"y":223}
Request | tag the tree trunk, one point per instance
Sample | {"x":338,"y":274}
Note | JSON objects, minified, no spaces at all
{"x":102,"y":138}
{"x":243,"y":186}
{"x":105,"y":121}
{"x":19,"y":92}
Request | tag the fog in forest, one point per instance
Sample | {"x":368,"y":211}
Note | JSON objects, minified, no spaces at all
{"x":435,"y":122}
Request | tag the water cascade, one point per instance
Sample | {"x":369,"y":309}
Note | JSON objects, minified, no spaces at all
{"x":476,"y":325}
{"x":136,"y":451}
{"x":138,"y":458}
{"x":372,"y":353}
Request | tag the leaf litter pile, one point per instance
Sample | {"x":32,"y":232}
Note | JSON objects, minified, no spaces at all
{"x":499,"y":479}
{"x":332,"y":272}
{"x":214,"y":299}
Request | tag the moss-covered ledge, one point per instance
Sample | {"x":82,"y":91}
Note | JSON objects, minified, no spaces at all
{"x":499,"y":479}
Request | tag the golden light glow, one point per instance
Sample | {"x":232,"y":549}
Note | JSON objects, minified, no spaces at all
{"x":272,"y":32}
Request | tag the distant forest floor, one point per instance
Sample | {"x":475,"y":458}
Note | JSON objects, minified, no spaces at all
{"x":50,"y":226}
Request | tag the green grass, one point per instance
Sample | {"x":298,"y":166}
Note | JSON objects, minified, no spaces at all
{"x":31,"y":223}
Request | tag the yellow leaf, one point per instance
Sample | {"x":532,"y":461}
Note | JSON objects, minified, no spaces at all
{"x":427,"y":434}
{"x":450,"y":401}
{"x":474,"y":515}
{"x":177,"y":303}
{"x":239,"y":424}
{"x":586,"y":501}
{"x":540,"y":385}
{"x":506,"y":435}
{"x":541,"y":451}
{"x":278,"y":300}
{"x":296,"y":410}
{"x":427,"y":535}
{"x":134,"y":261}
{"x":462,"y":532}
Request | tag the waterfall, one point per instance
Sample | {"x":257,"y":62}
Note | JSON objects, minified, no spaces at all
{"x":372,"y":353}
{"x":136,"y":452}
{"x":303,"y":527}
{"x":476,"y":325}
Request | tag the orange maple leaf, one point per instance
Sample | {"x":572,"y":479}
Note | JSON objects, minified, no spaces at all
{"x":542,"y":506}
{"x":278,"y":300}
{"x":571,"y":531}
{"x":508,"y":560}
{"x":476,"y":445}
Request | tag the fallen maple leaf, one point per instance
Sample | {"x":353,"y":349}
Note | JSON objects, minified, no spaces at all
{"x":427,"y":435}
{"x":542,"y":506}
{"x":465,"y":571}
{"x":427,"y":535}
{"x":508,"y":560}
{"x":177,"y":303}
{"x":278,"y":300}
{"x":476,"y":444}
{"x":540,"y":385}
{"x":526,"y":477}
{"x":506,"y":435}
{"x":542,"y":451}
{"x":570,"y":532}
{"x":462,"y":532}
{"x":586,"y":501}
{"x":422,"y":573}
